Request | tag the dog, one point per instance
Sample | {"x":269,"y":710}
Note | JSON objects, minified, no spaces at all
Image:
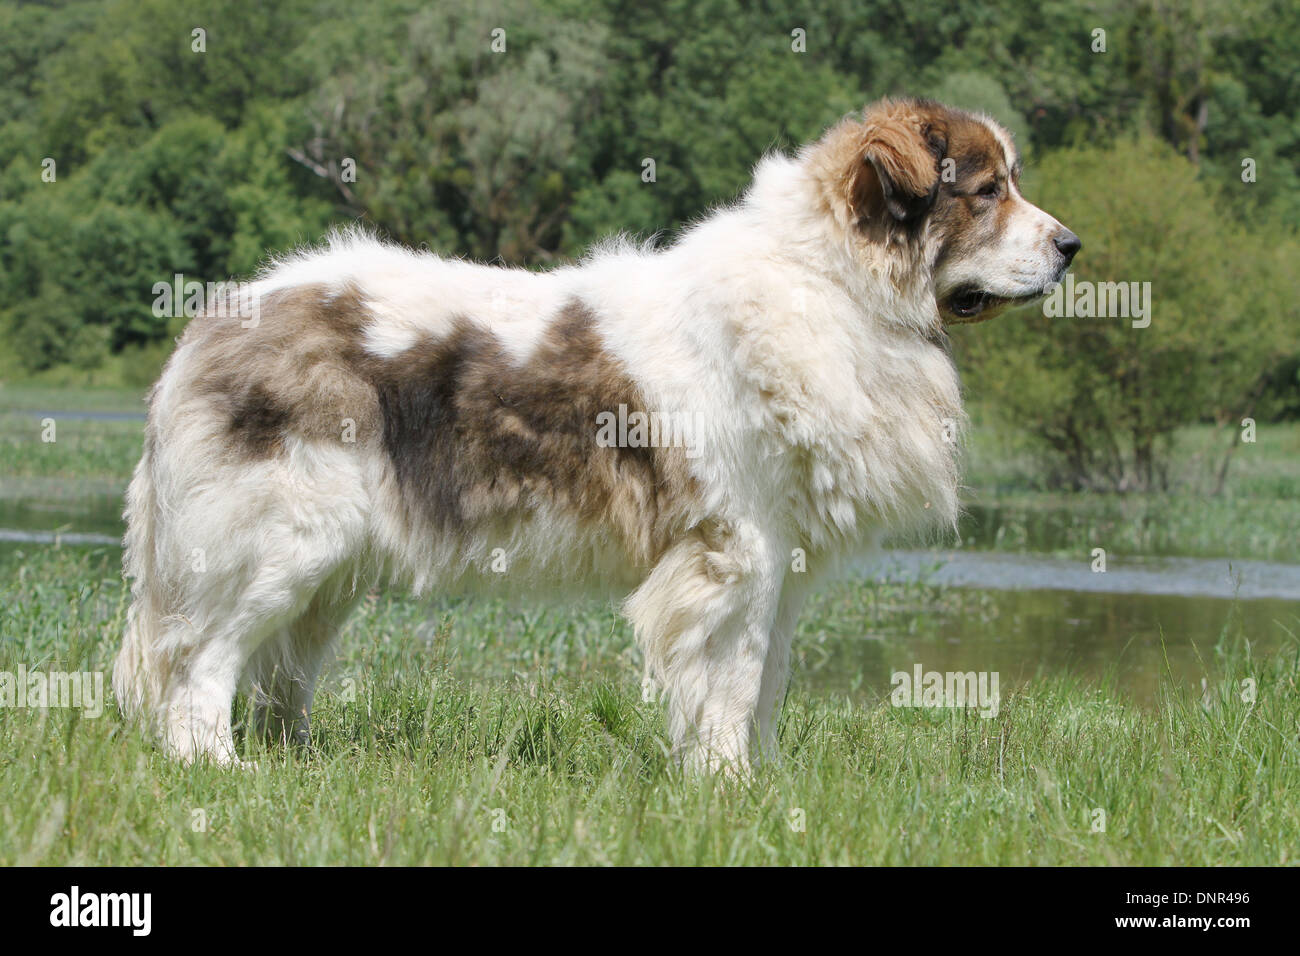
{"x":706,"y":429}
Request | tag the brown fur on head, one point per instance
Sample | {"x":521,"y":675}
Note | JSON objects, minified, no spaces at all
{"x":897,"y":172}
{"x":946,"y":182}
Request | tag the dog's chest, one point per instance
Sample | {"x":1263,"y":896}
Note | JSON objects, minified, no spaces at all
{"x":872,"y":447}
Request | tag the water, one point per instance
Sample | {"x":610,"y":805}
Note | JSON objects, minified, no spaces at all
{"x":57,"y":538}
{"x":89,"y":416}
{"x":78,"y":512}
{"x":1141,"y":621}
{"x":1135,"y":639}
{"x":1222,"y":578}
{"x":1138,"y":622}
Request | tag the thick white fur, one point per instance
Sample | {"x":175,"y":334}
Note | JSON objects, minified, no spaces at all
{"x":829,"y":417}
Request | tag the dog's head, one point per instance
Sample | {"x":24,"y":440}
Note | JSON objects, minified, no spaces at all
{"x":949,"y":181}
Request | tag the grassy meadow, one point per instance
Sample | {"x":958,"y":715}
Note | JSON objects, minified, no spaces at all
{"x":492,"y":733}
{"x":500,"y":736}
{"x":1255,"y":517}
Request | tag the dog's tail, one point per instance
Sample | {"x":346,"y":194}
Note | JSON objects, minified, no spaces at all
{"x":137,"y":677}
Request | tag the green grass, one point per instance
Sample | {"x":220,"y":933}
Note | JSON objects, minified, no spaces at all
{"x":82,"y":449}
{"x":31,"y":397}
{"x":1010,"y":509}
{"x":442,"y":733}
{"x":436,"y":722}
{"x":1182,"y":525}
{"x":75,"y":482}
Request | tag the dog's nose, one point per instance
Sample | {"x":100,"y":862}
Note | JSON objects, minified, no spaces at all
{"x":1067,"y":243}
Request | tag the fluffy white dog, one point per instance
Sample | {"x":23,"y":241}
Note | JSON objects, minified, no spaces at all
{"x":705,"y":428}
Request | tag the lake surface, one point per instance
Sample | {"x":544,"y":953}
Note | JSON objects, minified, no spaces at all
{"x":90,"y":416}
{"x":38,"y":513}
{"x":1174,"y":577}
{"x":1022,"y":629}
{"x":1141,"y":622}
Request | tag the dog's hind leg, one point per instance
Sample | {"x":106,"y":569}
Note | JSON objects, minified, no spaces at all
{"x":233,"y":565}
{"x":282,"y":675}
{"x":182,"y":650}
{"x":211,"y":651}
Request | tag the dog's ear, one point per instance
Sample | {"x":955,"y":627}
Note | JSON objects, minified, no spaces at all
{"x":900,"y":151}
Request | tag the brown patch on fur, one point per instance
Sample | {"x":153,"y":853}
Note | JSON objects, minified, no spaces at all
{"x":293,"y":372}
{"x":882,"y":171}
{"x":471,"y":435}
{"x":258,"y":419}
{"x":474,"y":437}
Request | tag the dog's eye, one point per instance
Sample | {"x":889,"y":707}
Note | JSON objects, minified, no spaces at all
{"x":988,"y":190}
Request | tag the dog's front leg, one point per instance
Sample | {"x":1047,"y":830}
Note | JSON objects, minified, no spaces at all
{"x":704,"y":618}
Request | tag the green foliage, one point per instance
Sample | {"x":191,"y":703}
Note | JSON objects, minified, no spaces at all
{"x":301,"y":114}
{"x":982,"y":94}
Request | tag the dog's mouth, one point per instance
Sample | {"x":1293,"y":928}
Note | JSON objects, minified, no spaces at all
{"x":977,"y":305}
{"x":967,"y":304}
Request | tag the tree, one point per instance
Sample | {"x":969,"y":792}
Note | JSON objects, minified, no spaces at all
{"x":1102,"y":396}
